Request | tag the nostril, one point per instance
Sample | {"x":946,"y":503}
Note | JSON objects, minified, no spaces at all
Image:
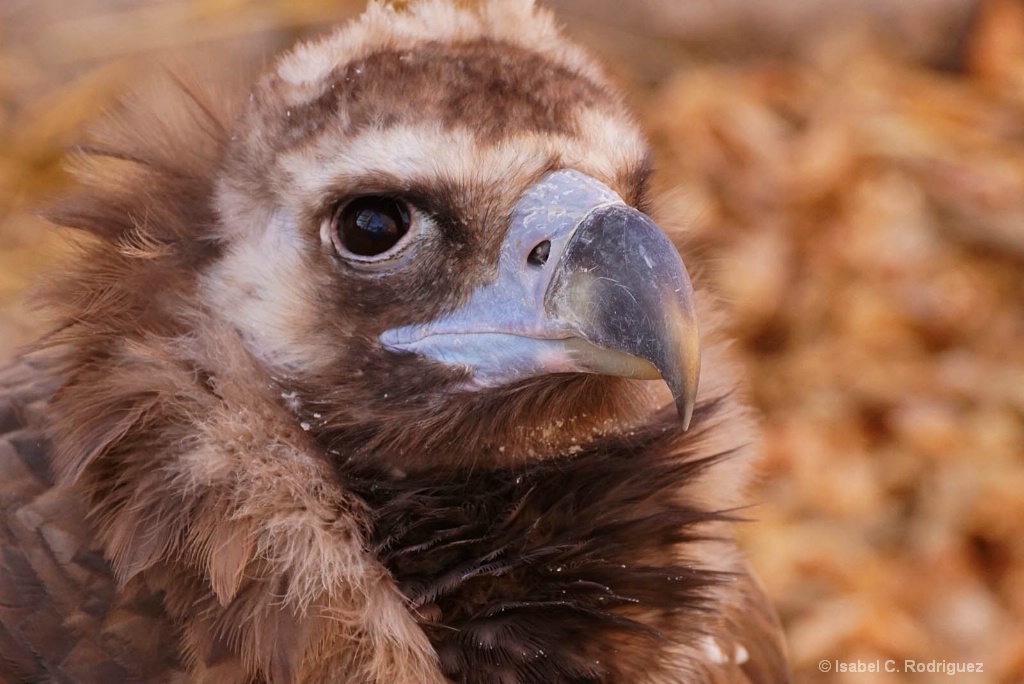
{"x":539,"y":254}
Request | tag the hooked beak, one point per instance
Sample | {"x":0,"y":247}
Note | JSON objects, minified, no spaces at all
{"x":585,"y":284}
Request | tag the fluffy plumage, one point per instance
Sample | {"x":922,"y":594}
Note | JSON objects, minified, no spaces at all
{"x":218,"y":473}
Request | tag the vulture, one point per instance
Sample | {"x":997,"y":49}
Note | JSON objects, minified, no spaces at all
{"x":376,"y":370}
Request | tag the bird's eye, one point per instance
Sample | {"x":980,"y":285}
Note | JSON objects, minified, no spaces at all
{"x":370,"y":226}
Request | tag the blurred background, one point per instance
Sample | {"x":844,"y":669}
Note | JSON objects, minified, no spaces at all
{"x":853,"y":171}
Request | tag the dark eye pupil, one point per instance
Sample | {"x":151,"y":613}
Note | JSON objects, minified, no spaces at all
{"x":370,"y":226}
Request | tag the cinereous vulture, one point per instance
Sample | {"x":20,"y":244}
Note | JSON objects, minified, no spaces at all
{"x":378,"y":372}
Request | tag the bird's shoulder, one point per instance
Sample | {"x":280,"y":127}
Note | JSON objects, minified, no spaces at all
{"x":62,"y":617}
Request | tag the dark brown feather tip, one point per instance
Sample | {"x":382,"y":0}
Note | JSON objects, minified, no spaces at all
{"x":543,"y":572}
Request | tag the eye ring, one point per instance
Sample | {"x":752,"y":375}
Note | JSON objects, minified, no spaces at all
{"x":369,"y":228}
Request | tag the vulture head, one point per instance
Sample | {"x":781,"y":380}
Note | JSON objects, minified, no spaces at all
{"x":380,"y":371}
{"x":432,"y":232}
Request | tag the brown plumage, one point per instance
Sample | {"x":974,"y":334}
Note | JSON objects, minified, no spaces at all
{"x":231,"y":462}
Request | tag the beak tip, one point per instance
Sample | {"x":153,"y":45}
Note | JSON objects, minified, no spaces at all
{"x":685,"y":408}
{"x":685,"y":395}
